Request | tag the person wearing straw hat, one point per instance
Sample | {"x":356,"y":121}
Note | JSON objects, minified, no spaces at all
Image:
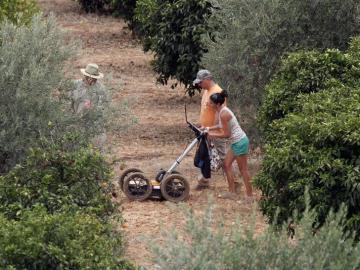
{"x":89,"y":99}
{"x":88,"y":92}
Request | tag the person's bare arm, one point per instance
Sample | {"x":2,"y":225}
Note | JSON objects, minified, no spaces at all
{"x":224,"y":132}
{"x":207,"y":129}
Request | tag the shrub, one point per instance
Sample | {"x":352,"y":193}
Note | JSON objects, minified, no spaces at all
{"x":173,"y":31}
{"x":206,"y":245}
{"x":256,"y":34}
{"x":60,"y":241}
{"x":311,"y":118}
{"x":64,"y":174}
{"x":18,"y":11}
{"x":304,"y":73}
{"x":34,"y":92}
{"x":31,"y":63}
{"x":144,"y":12}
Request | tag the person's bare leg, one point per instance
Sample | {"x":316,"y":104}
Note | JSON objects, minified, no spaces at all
{"x":229,"y":159}
{"x":243,"y":167}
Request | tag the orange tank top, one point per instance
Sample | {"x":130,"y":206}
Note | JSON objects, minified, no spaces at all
{"x":207,"y":114}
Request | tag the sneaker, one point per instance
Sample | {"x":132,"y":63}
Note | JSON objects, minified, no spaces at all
{"x":200,"y":177}
{"x":202,"y":184}
{"x":227,"y":195}
{"x":237,"y":187}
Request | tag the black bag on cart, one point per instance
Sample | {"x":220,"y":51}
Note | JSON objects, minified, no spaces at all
{"x":202,"y":158}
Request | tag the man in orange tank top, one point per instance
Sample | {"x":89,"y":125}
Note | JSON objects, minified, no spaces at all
{"x":208,"y":115}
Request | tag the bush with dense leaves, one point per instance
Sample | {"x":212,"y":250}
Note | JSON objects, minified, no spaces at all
{"x":18,"y":11}
{"x":305,"y":73}
{"x":173,"y":30}
{"x":205,"y":245}
{"x":60,"y":241}
{"x":257,"y":33}
{"x":34,"y":91}
{"x":311,"y":122}
{"x":32,"y":60}
{"x":144,"y":14}
{"x":64,"y":174}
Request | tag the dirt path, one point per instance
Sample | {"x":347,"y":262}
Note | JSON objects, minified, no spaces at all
{"x":160,"y":135}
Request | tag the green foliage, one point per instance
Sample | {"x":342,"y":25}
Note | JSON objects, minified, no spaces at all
{"x":173,"y":30}
{"x":257,"y":33}
{"x":34,"y":93}
{"x":210,"y":246}
{"x":56,"y":207}
{"x":64,"y":174}
{"x":31,"y":63}
{"x":143,"y":12}
{"x":304,"y":73}
{"x":18,"y":11}
{"x":60,"y":241}
{"x":311,"y":121}
{"x":144,"y":17}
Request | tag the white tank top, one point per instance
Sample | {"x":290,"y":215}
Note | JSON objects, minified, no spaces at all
{"x":236,"y":133}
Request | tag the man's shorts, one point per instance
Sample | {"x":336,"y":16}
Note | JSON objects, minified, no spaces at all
{"x":241,"y":147}
{"x":220,"y":145}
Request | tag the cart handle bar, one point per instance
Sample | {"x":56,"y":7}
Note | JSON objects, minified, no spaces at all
{"x":193,"y":127}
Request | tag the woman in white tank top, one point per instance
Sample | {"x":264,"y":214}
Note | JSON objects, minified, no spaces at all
{"x":230,"y":128}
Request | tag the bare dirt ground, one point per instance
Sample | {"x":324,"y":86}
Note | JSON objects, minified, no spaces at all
{"x":160,"y":135}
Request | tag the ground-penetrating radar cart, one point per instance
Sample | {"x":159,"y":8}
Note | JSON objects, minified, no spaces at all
{"x":168,"y":184}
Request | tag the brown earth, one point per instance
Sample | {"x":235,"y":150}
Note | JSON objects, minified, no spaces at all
{"x":158,"y":138}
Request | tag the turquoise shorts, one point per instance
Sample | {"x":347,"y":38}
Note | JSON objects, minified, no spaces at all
{"x":241,"y":147}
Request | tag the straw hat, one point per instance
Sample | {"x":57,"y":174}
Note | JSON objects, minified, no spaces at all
{"x":92,"y":71}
